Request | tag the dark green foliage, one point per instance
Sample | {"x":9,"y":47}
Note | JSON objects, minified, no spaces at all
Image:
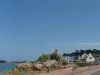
{"x":55,"y":56}
{"x":3,"y":61}
{"x":89,"y":51}
{"x":81,"y":52}
{"x":66,"y":55}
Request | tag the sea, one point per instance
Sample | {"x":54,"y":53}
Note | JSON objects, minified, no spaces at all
{"x":6,"y":67}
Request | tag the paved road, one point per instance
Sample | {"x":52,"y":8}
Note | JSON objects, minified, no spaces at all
{"x":96,"y":73}
{"x":91,"y":72}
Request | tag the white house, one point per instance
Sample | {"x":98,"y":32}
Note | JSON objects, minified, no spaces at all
{"x":84,"y":56}
{"x":90,"y":58}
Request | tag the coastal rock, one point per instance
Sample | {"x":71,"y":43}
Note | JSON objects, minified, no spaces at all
{"x":37,"y":66}
{"x":51,"y":65}
{"x":47,"y":66}
{"x":11,"y":72}
{"x":24,"y":66}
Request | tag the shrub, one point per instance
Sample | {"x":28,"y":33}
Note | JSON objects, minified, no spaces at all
{"x":64,"y":61}
{"x":44,"y":57}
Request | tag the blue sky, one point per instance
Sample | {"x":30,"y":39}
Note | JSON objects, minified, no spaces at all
{"x":29,"y":28}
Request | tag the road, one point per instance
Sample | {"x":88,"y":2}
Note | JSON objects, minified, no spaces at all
{"x":91,"y":72}
{"x":96,"y":73}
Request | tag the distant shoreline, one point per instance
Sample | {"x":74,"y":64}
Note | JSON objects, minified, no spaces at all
{"x":10,"y":63}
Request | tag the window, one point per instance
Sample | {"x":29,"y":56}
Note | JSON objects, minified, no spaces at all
{"x":90,"y":57}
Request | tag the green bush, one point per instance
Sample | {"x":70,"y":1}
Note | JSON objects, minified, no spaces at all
{"x":63,"y":60}
{"x":44,"y":57}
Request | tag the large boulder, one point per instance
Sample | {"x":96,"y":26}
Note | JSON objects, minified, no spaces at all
{"x":38,"y":66}
{"x":51,"y":65}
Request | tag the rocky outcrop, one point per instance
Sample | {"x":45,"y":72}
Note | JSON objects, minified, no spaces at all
{"x":51,"y":65}
{"x":47,"y":66}
{"x":37,"y":67}
{"x":12,"y":72}
{"x":24,"y":66}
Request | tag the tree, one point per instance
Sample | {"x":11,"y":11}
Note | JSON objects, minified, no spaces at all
{"x":77,"y":53}
{"x":89,"y":51}
{"x":3,"y":61}
{"x":96,"y":51}
{"x":55,"y":55}
{"x":82,"y":52}
{"x":64,"y":55}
